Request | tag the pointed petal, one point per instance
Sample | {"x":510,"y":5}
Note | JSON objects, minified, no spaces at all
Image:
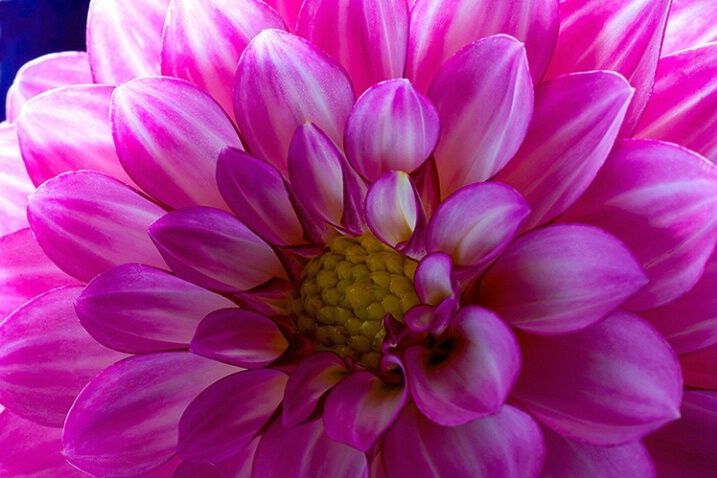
{"x":484,"y":97}
{"x":609,"y":384}
{"x":15,"y":184}
{"x":393,"y":208}
{"x":87,"y":222}
{"x":699,"y":369}
{"x":124,"y":423}
{"x":575,"y":123}
{"x":690,"y":23}
{"x":288,"y":9}
{"x":283,"y":81}
{"x":139,"y":309}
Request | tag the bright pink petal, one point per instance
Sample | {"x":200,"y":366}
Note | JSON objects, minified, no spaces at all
{"x":46,"y":357}
{"x":15,"y":184}
{"x":433,"y":280}
{"x":609,"y":384}
{"x":690,"y":23}
{"x":484,"y":97}
{"x":699,"y":369}
{"x":575,"y":123}
{"x":139,"y":309}
{"x":659,"y":199}
{"x":288,"y":9}
{"x":393,"y":208}
{"x":124,"y":423}
{"x":168,"y":134}
{"x":367,"y":37}
{"x":283,"y":81}
{"x":508,"y":444}
{"x":87,"y":222}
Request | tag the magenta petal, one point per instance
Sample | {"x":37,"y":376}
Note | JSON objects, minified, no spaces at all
{"x":609,"y":384}
{"x":46,"y":357}
{"x":575,"y":123}
{"x":393,"y":208}
{"x":507,"y":445}
{"x":433,"y":278}
{"x":124,"y":423}
{"x":690,"y":23}
{"x":283,"y":81}
{"x":699,"y":369}
{"x":484,"y":97}
{"x":208,"y":432}
{"x":87,"y":222}
{"x":659,"y":199}
{"x":288,"y":9}
{"x":15,"y":183}
{"x":138,"y":309}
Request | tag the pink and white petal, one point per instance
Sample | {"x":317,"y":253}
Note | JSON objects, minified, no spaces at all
{"x":306,"y":450}
{"x":575,"y":123}
{"x":308,"y":383}
{"x":508,"y":444}
{"x":68,"y":129}
{"x":46,"y":357}
{"x":15,"y":184}
{"x":684,"y":100}
{"x":659,"y":199}
{"x":484,"y":98}
{"x":691,"y":23}
{"x":392,"y":127}
{"x":478,"y":345}
{"x":699,"y":369}
{"x":686,"y":447}
{"x":168,"y":134}
{"x":367,"y":37}
{"x":239,"y":337}
{"x":475,"y":224}
{"x":621,"y":36}
{"x":124,"y":423}
{"x":560,"y":279}
{"x":121,"y":44}
{"x":609,"y":384}
{"x":138,"y":309}
{"x":282,"y":82}
{"x":393,"y":208}
{"x":433,"y":279}
{"x":88,"y":222}
{"x":208,"y":433}
{"x":46,"y":73}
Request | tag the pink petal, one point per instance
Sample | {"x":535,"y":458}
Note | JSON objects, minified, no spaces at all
{"x":367,"y":37}
{"x":575,"y":123}
{"x":659,"y":199}
{"x":484,"y":97}
{"x":288,"y":9}
{"x":87,"y":223}
{"x":283,"y":81}
{"x":139,"y":309}
{"x":690,"y":23}
{"x":699,"y":369}
{"x":168,"y":135}
{"x":122,"y":44}
{"x":46,"y":357}
{"x":621,"y":36}
{"x":15,"y":184}
{"x":507,"y":445}
{"x":192,"y":470}
{"x":68,"y":129}
{"x":209,"y":433}
{"x":46,"y":73}
{"x":609,"y":384}
{"x":433,"y":278}
{"x":438,"y":29}
{"x":124,"y":423}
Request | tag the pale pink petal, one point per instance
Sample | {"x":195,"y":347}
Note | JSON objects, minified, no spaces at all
{"x":15,"y":184}
{"x":575,"y":123}
{"x":699,"y":369}
{"x":609,"y":384}
{"x":209,"y":433}
{"x":433,"y":278}
{"x":659,"y":199}
{"x":168,"y":134}
{"x":46,"y":73}
{"x":690,"y":23}
{"x":214,"y":249}
{"x":124,"y":423}
{"x":484,"y":98}
{"x":288,"y":9}
{"x":367,"y":37}
{"x":87,"y":222}
{"x":46,"y":357}
{"x":394,"y":209}
{"x":283,"y":81}
{"x":507,"y":445}
{"x":138,"y":309}
{"x":123,"y":44}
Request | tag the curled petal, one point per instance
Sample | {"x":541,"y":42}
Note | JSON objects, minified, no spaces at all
{"x":690,"y":23}
{"x":394,"y":209}
{"x":15,"y":184}
{"x":433,"y":280}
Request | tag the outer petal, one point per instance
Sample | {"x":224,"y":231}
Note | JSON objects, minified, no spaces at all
{"x":283,"y":81}
{"x":575,"y":123}
{"x":168,"y":134}
{"x":484,"y":98}
{"x":699,"y":369}
{"x":609,"y":384}
{"x":14,"y":182}
{"x":393,"y":208}
{"x":691,"y":23}
{"x":124,"y":423}
{"x":138,"y":309}
{"x":659,"y":199}
{"x":87,"y":222}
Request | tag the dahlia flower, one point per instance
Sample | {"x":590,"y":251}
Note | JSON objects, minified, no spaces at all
{"x":364,"y":238}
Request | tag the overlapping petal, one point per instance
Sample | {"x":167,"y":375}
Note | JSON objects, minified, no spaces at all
{"x":14,"y":182}
{"x":394,"y":209}
{"x":690,"y":23}
{"x":699,"y":369}
{"x":288,"y":9}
